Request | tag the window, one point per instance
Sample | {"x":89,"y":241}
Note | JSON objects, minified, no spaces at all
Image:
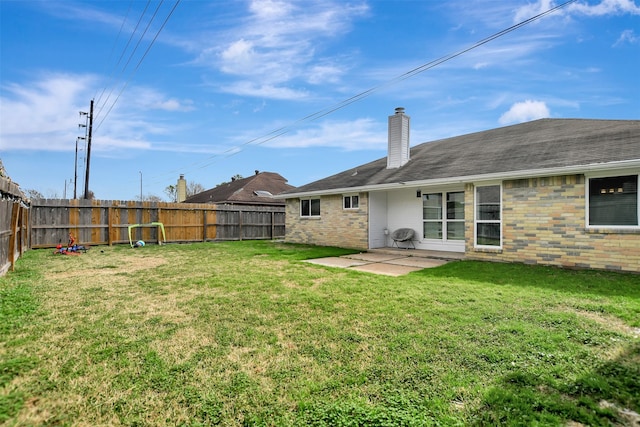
{"x":310,"y":207}
{"x":488,"y":222}
{"x":432,"y":215}
{"x":613,"y":201}
{"x":455,"y":216}
{"x":351,"y":202}
{"x":443,"y":221}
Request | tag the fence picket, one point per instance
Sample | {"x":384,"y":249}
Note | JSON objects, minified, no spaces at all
{"x":105,"y":222}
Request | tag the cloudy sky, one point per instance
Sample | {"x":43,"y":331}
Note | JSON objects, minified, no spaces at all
{"x":213,"y":89}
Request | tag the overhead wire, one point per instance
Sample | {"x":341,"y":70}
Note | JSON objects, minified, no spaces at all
{"x":101,"y":105}
{"x":124,"y":50}
{"x":113,"y":48}
{"x":144,"y":55}
{"x":346,"y":102}
{"x":99,"y":97}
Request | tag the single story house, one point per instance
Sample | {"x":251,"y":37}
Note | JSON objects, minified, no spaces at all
{"x":256,"y":190}
{"x":560,"y":192}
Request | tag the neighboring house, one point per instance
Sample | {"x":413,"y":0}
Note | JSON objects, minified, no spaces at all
{"x":561,"y":192}
{"x":256,"y":190}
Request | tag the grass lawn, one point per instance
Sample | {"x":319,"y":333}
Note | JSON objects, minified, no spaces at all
{"x":243,"y":333}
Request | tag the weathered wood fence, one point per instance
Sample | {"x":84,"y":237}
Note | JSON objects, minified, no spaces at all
{"x":14,"y":224}
{"x":105,"y":222}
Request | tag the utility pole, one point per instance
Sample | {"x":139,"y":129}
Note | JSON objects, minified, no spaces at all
{"x":83,"y":138}
{"x":86,"y":182}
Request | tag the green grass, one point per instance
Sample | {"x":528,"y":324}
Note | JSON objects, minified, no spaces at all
{"x":244,"y":333}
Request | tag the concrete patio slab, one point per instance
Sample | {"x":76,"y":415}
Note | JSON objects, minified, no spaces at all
{"x":386,"y":269}
{"x":390,"y":264}
{"x":420,"y":253}
{"x":335,"y":261}
{"x":418,"y":262}
{"x":373,"y":257}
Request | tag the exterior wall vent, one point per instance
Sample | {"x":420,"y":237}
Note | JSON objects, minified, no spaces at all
{"x":398,"y":151}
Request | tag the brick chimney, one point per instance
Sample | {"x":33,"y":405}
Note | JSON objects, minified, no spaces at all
{"x":398,"y":152}
{"x":181,"y":190}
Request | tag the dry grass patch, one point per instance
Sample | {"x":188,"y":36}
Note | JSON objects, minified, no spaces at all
{"x":242,"y":333}
{"x":610,"y":322}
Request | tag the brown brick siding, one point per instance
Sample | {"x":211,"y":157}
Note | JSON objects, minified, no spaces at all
{"x":543,"y":222}
{"x":335,"y":226}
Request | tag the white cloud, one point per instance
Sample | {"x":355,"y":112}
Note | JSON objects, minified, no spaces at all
{"x":627,"y":36}
{"x":532,"y":9}
{"x":43,"y":115}
{"x":280,"y":43}
{"x":238,"y":57}
{"x":525,"y":111}
{"x":270,"y":9}
{"x":606,"y":7}
{"x":72,"y":11}
{"x":360,"y":134}
{"x":320,"y":73}
{"x":264,"y":90}
{"x":144,"y":98}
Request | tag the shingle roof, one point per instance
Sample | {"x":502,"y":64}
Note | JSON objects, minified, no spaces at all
{"x":536,"y":145}
{"x":245,"y":191}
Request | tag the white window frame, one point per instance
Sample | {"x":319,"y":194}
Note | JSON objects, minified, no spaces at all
{"x":443,"y":216}
{"x":350,"y":197}
{"x":476,"y":221}
{"x":610,"y":174}
{"x":310,"y":200}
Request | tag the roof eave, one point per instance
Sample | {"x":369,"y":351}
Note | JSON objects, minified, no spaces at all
{"x":530,"y":173}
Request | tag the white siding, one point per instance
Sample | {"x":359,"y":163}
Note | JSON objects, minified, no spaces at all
{"x":402,"y":209}
{"x":377,"y":219}
{"x":398,"y":141}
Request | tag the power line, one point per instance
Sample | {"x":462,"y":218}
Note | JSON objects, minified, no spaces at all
{"x":91,"y":114}
{"x":113,"y":48}
{"x":143,"y":34}
{"x":411,"y":73}
{"x":124,"y":50}
{"x":144,"y":55}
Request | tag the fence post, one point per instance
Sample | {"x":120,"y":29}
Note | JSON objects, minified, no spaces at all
{"x":26,"y":222}
{"x":183,"y":222}
{"x":109,"y":226}
{"x":15,"y":212}
{"x":204,"y":225}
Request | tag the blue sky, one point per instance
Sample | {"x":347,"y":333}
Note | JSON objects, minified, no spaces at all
{"x":210,"y":95}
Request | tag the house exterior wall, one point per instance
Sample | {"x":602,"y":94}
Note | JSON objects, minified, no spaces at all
{"x":543,"y":222}
{"x":404,"y":210}
{"x":378,"y":219}
{"x":334,"y":227}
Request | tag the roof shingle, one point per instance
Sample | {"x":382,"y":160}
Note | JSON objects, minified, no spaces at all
{"x":536,"y":145}
{"x":245,"y":191}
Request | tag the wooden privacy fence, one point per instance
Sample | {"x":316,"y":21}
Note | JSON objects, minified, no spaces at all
{"x":106,"y":222}
{"x":14,"y":224}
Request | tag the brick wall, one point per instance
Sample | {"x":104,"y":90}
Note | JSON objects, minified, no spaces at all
{"x":335,"y":227}
{"x":544,"y":223}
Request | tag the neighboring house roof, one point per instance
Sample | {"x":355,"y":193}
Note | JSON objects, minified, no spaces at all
{"x":535,"y":148}
{"x":254,"y":190}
